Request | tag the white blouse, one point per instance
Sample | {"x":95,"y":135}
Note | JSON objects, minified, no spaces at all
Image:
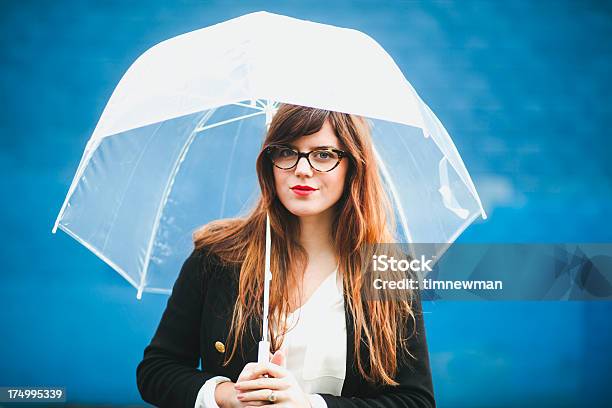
{"x":314,"y":345}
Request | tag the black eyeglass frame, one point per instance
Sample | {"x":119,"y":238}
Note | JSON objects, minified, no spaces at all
{"x":341,"y":154}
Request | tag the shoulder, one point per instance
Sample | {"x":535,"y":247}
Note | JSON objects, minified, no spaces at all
{"x":200,"y":272}
{"x":204,"y":254}
{"x":202,"y":260}
{"x":197,"y":266}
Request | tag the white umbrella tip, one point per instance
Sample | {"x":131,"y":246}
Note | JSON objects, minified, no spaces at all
{"x":483,"y":214}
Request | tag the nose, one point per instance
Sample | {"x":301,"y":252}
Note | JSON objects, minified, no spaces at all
{"x":302,"y":168}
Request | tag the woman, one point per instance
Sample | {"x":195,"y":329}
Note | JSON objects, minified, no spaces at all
{"x":350,"y":350}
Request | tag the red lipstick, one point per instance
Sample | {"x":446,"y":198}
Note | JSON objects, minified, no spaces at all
{"x":303,"y":190}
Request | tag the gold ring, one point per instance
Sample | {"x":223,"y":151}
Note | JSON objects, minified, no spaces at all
{"x":271,"y":397}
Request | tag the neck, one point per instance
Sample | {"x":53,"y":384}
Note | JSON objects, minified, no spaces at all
{"x":315,"y":233}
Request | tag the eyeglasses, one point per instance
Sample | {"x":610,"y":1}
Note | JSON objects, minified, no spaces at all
{"x":321,"y":160}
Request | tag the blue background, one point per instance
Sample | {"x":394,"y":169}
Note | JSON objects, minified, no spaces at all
{"x":521,"y":87}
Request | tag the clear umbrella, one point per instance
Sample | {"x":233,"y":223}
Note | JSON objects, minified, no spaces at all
{"x":175,"y":146}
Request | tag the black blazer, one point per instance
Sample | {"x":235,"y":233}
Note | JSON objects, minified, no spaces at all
{"x":194,"y":327}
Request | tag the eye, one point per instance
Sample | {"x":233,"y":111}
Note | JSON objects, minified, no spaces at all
{"x":284,"y":153}
{"x":325,"y":155}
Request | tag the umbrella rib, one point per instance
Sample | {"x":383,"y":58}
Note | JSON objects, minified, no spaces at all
{"x":246,"y":105}
{"x":161,"y":291}
{"x":92,"y":145}
{"x":461,"y":171}
{"x":229,"y":169}
{"x":411,"y":157}
{"x":164,"y":199}
{"x":100,"y":255}
{"x":394,"y":193}
{"x":129,"y":181}
{"x":224,"y":122}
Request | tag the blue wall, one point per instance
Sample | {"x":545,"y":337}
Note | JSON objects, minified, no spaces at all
{"x":521,"y":86}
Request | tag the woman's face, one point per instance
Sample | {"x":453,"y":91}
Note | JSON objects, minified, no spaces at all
{"x":328,"y":186}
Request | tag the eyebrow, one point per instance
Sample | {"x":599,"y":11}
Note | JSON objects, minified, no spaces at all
{"x":316,"y":147}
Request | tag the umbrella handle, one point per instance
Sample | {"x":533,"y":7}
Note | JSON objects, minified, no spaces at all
{"x":263,"y":354}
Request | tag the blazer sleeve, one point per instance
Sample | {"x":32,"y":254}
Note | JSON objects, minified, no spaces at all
{"x":168,"y":375}
{"x":415,"y":389}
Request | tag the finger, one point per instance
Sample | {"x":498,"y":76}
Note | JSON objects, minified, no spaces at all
{"x":262,"y":382}
{"x":278,"y":358}
{"x":259,"y":395}
{"x":269,"y":368}
{"x":255,"y":404}
{"x":248,"y":368}
{"x":247,"y":372}
{"x":251,"y":375}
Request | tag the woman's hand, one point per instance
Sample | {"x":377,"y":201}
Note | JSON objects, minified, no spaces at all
{"x":256,"y":388}
{"x":226,"y":394}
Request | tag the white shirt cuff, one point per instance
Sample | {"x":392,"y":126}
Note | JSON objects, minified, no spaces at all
{"x":317,"y":401}
{"x":206,"y":395}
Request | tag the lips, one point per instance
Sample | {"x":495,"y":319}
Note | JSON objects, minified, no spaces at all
{"x":303,"y":191}
{"x":303,"y":188}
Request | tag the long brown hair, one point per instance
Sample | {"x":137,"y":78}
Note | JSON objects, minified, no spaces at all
{"x":363,"y":216}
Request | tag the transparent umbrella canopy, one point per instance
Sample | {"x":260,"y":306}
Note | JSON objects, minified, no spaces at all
{"x":175,"y":146}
